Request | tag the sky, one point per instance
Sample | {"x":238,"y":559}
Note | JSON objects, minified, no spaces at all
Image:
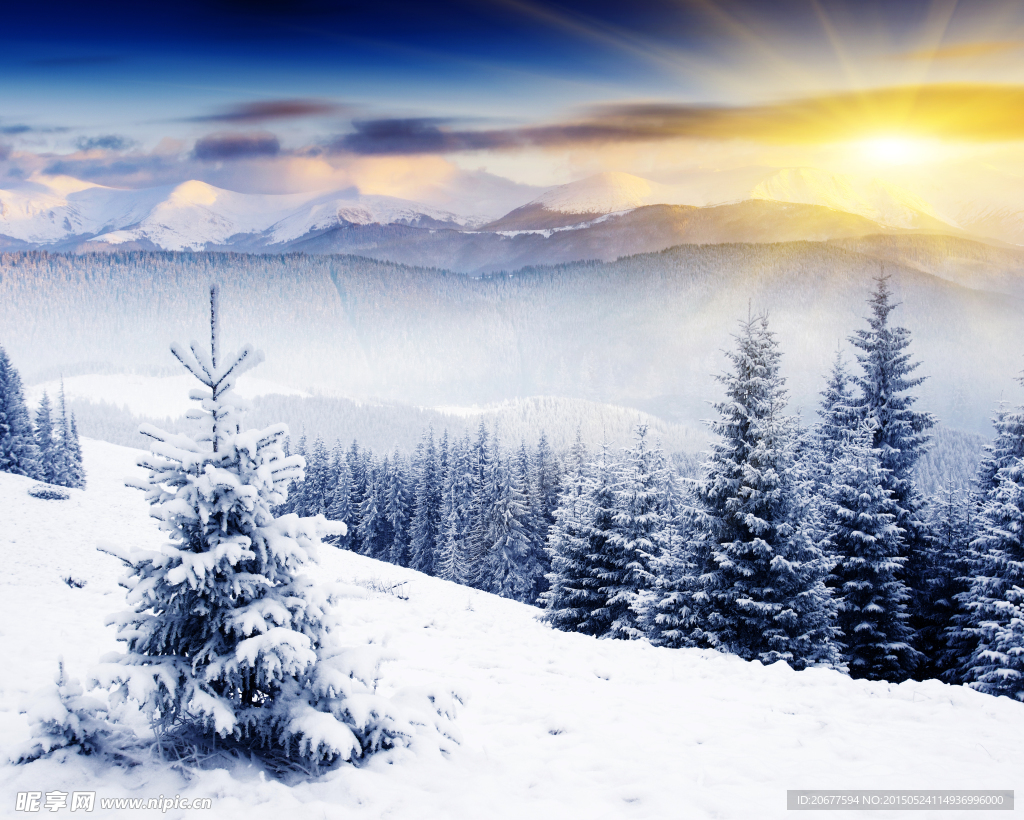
{"x":474,"y":102}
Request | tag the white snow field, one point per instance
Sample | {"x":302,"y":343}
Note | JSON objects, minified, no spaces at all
{"x":553,"y":725}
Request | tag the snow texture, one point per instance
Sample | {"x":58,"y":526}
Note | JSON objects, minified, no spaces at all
{"x":555,"y":725}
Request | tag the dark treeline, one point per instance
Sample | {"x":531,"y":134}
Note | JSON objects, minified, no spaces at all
{"x":48,"y":449}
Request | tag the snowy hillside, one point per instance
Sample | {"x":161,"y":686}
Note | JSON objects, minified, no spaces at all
{"x":553,"y":724}
{"x":48,"y":210}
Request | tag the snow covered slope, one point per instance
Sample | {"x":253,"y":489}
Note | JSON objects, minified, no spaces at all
{"x":554,"y":725}
{"x":48,"y":210}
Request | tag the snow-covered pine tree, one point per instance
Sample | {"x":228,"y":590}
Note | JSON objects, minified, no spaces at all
{"x":340,"y":508}
{"x":47,"y":443}
{"x":951,"y":522}
{"x":838,"y":420}
{"x":77,"y":466}
{"x":482,"y":464}
{"x":990,"y":630}
{"x":900,"y":435}
{"x":456,"y":507}
{"x":581,"y":557}
{"x":62,"y":467}
{"x":316,"y":489}
{"x":512,"y":561}
{"x":357,"y":467}
{"x":224,"y":636}
{"x":424,"y":530}
{"x":762,"y":587}
{"x":396,"y":510}
{"x":637,"y":538}
{"x":18,"y":452}
{"x":545,"y":481}
{"x":867,"y":578}
{"x":375,"y":533}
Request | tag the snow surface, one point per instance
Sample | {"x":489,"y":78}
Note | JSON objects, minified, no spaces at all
{"x":151,"y":396}
{"x":191,"y":215}
{"x":554,"y":725}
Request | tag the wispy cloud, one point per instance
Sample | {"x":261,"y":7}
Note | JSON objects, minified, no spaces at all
{"x":962,"y":51}
{"x":229,"y":146}
{"x":975,"y":112}
{"x":254,"y":112}
{"x":107,"y":142}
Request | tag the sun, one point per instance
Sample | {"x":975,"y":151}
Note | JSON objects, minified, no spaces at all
{"x":897,"y":150}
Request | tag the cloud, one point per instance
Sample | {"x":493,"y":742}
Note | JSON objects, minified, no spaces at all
{"x":974,"y":112}
{"x":228,"y":146}
{"x":107,"y":142}
{"x":418,"y":136}
{"x":21,"y":128}
{"x":272,"y":110}
{"x":960,"y":51}
{"x":5,"y":151}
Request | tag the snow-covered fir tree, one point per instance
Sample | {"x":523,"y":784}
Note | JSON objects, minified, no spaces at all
{"x":18,"y":452}
{"x":951,"y":521}
{"x":316,"y":487}
{"x":544,"y":499}
{"x":583,"y":562}
{"x":424,"y":529}
{"x":761,"y":590}
{"x":512,"y":560}
{"x":990,"y":630}
{"x":900,"y":434}
{"x":375,"y":532}
{"x":637,"y":538}
{"x":452,"y":562}
{"x":225,"y":634}
{"x":47,"y":443}
{"x":396,"y":511}
{"x":482,"y":467}
{"x":867,"y":543}
{"x":340,"y":507}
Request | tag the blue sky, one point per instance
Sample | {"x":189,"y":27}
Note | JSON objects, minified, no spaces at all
{"x":293,"y":95}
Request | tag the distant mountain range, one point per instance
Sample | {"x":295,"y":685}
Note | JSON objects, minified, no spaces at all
{"x":603,"y":217}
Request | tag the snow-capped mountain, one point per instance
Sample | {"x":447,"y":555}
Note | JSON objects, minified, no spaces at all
{"x":879,"y":201}
{"x":883,"y":203}
{"x":576,"y":202}
{"x":53,"y":210}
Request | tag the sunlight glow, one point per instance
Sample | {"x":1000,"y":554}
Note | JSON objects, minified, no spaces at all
{"x":898,"y":150}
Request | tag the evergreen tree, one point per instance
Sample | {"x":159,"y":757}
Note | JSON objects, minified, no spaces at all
{"x":762,"y":592}
{"x":900,"y":434}
{"x":18,"y":452}
{"x":396,"y":511}
{"x":375,"y":532}
{"x":637,"y":538}
{"x":316,"y":488}
{"x":452,"y":562}
{"x":225,"y":636}
{"x":545,"y":482}
{"x":951,"y":523}
{"x":340,"y":508}
{"x":512,"y":559}
{"x":357,"y":465}
{"x":46,"y":443}
{"x":868,"y":545}
{"x":990,"y":629}
{"x":582,"y":562}
{"x":425,"y":526}
{"x":62,"y":466}
{"x":482,"y":464}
